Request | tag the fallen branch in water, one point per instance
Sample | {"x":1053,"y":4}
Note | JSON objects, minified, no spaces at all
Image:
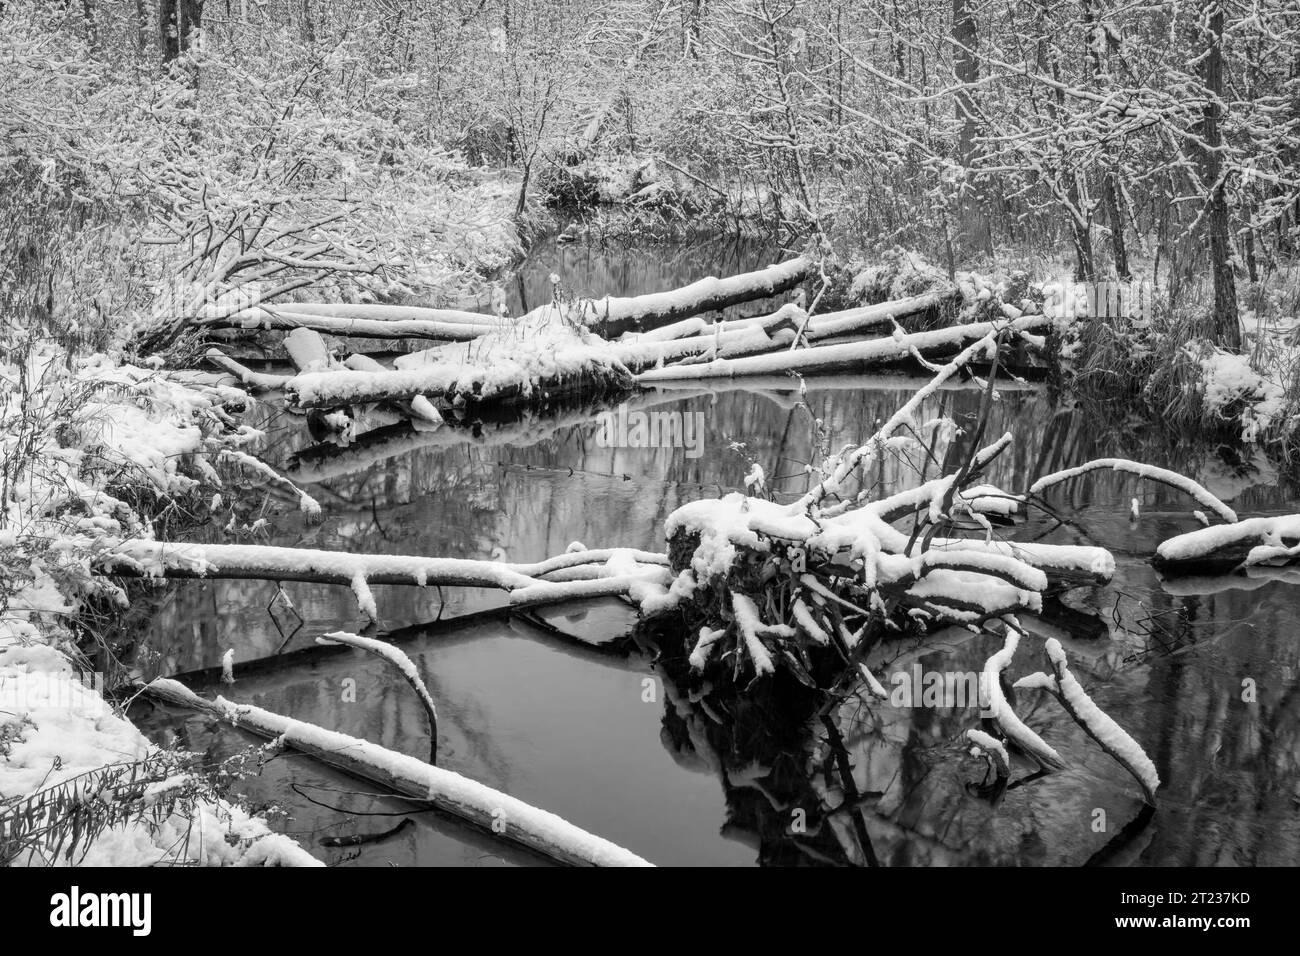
{"x":1222,"y":548}
{"x":991,"y":747}
{"x":1110,"y":736}
{"x":771,"y":584}
{"x":1001,"y":713}
{"x":397,"y":657}
{"x":614,"y":571}
{"x":492,"y":810}
{"x":1148,"y":472}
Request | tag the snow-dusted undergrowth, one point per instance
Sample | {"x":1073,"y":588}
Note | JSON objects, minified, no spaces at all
{"x":93,"y":450}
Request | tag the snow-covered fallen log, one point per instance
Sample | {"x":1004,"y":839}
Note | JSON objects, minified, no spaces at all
{"x":284,"y":320}
{"x":477,"y":804}
{"x":262,"y":562}
{"x":384,"y":313}
{"x":1148,"y":472}
{"x":536,"y":359}
{"x":785,"y":388}
{"x":307,"y":350}
{"x":1110,"y":736}
{"x":753,"y":336}
{"x":1232,"y":547}
{"x":722,"y":340}
{"x":256,"y":381}
{"x":613,"y":316}
{"x":825,"y":358}
{"x":612,"y":571}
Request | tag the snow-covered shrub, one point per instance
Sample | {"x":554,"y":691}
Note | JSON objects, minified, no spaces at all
{"x":138,"y":200}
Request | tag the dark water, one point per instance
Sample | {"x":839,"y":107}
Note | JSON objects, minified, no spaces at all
{"x":605,"y":740}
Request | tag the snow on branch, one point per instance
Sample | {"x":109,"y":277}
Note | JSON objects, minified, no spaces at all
{"x":613,"y":316}
{"x":534,"y":358}
{"x":1000,"y":711}
{"x":820,"y":358}
{"x":1147,"y":472}
{"x":614,"y":571}
{"x":398,"y":658}
{"x":1110,"y":736}
{"x":993,"y":748}
{"x":1250,"y":542}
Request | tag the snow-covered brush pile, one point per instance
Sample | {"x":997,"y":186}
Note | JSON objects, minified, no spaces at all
{"x":764,"y":590}
{"x":779,"y":584}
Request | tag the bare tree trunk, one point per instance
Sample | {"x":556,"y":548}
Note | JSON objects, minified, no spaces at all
{"x":692,"y":11}
{"x":1227,"y":327}
{"x":177,"y":20}
{"x":1099,"y":64}
{"x":141,"y":27}
{"x":523,"y":189}
{"x":1076,"y":207}
{"x":973,"y":212}
{"x":1115,"y":215}
{"x":92,"y":31}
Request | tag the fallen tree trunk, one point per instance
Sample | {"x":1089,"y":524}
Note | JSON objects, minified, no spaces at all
{"x":435,"y":330}
{"x":525,"y":582}
{"x":612,"y":316}
{"x":1231,"y":547}
{"x":307,"y":350}
{"x":538,"y":359}
{"x":822,"y":358}
{"x":772,"y":386}
{"x":257,"y":381}
{"x":467,"y":799}
{"x":722,"y":340}
{"x":741,"y":337}
{"x":377,"y":313}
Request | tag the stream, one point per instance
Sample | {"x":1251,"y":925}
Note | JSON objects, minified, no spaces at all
{"x":555,"y":708}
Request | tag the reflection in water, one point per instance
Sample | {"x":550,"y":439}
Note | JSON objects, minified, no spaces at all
{"x":623,"y":745}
